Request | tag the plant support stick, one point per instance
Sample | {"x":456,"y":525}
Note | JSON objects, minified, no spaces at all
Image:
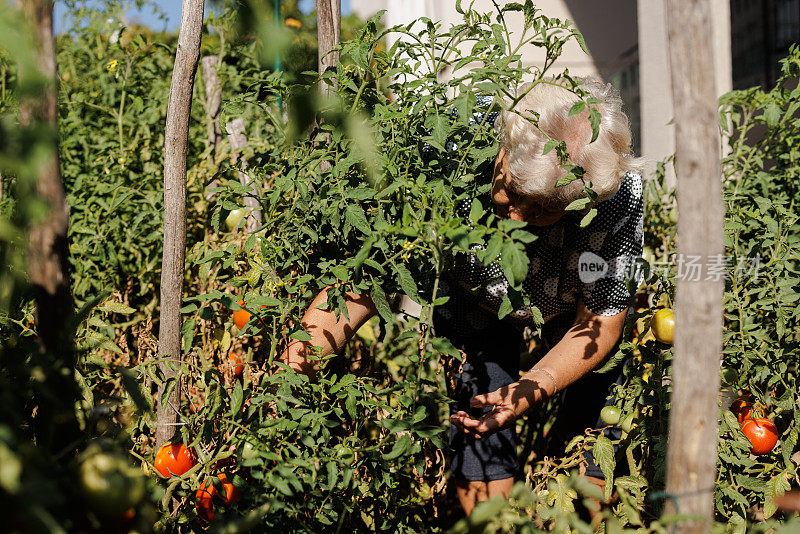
{"x":172,"y":265}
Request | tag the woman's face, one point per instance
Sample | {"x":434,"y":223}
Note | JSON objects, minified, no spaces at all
{"x":515,"y":206}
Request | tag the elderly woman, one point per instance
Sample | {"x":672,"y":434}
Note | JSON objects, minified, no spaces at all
{"x":584,"y":315}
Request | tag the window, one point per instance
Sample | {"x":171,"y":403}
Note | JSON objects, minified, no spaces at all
{"x":787,"y":23}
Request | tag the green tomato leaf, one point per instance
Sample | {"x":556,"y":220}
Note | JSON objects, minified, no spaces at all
{"x":587,"y":219}
{"x":577,"y":107}
{"x":603,"y":452}
{"x":407,"y":282}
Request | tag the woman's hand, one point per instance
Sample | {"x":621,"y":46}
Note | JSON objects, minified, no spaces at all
{"x":582,"y":349}
{"x":508,"y":403}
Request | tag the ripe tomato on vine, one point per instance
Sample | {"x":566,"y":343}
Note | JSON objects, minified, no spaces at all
{"x":174,"y":459}
{"x":741,"y":408}
{"x":241,"y":316}
{"x":762,"y":433}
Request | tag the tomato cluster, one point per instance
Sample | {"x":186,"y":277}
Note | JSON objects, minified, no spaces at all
{"x":761,"y":431}
{"x":205,"y":496}
{"x":175,"y":459}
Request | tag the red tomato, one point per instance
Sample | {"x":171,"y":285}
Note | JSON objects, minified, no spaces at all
{"x":236,"y":363}
{"x":741,"y":408}
{"x":174,"y":458}
{"x":240,"y":317}
{"x":205,"y":496}
{"x":762,"y":433}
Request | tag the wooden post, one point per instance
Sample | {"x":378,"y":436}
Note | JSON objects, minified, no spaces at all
{"x":692,"y":453}
{"x":213,"y":91}
{"x":176,"y":135}
{"x":329,"y":35}
{"x":48,"y":251}
{"x":238,"y":140}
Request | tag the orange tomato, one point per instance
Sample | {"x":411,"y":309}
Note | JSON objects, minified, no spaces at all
{"x":293,"y":23}
{"x":205,"y":496}
{"x":241,"y":316}
{"x":174,"y":459}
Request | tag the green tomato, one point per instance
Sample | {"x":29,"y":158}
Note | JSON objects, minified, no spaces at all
{"x":366,"y":332}
{"x":610,"y":415}
{"x":109,"y":484}
{"x":663,"y":325}
{"x":344,"y":454}
{"x":234,"y":217}
{"x":627,"y":423}
{"x":249,"y":452}
{"x":729,"y":377}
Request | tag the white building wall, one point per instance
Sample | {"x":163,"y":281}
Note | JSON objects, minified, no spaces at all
{"x":658,"y":135}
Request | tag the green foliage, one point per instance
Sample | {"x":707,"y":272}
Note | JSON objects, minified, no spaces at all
{"x":762,"y":316}
{"x":761,"y":328}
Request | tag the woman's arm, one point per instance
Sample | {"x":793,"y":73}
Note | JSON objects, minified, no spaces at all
{"x":582,"y":349}
{"x":326,"y":331}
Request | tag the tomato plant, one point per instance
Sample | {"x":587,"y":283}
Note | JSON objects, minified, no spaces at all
{"x":370,"y":209}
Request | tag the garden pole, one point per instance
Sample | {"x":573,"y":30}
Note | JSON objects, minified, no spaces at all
{"x":329,"y":35}
{"x":213,"y":92}
{"x":238,"y":140}
{"x":176,"y":135}
{"x":276,"y":7}
{"x":693,"y":430}
{"x":48,"y":251}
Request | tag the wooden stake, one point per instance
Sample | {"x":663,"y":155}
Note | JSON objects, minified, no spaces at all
{"x":238,"y":139}
{"x":48,"y":251}
{"x":213,"y":91}
{"x":172,"y":265}
{"x":692,"y":454}
{"x":329,"y":35}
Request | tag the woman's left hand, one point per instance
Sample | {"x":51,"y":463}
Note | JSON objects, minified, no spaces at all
{"x":508,"y":403}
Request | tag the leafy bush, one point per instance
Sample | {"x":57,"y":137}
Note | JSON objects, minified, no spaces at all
{"x":368,"y":204}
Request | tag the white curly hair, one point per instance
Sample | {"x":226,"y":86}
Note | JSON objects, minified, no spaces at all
{"x":605,"y":161}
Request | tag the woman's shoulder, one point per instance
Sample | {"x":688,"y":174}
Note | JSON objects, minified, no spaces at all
{"x":624,"y":207}
{"x":628,"y":197}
